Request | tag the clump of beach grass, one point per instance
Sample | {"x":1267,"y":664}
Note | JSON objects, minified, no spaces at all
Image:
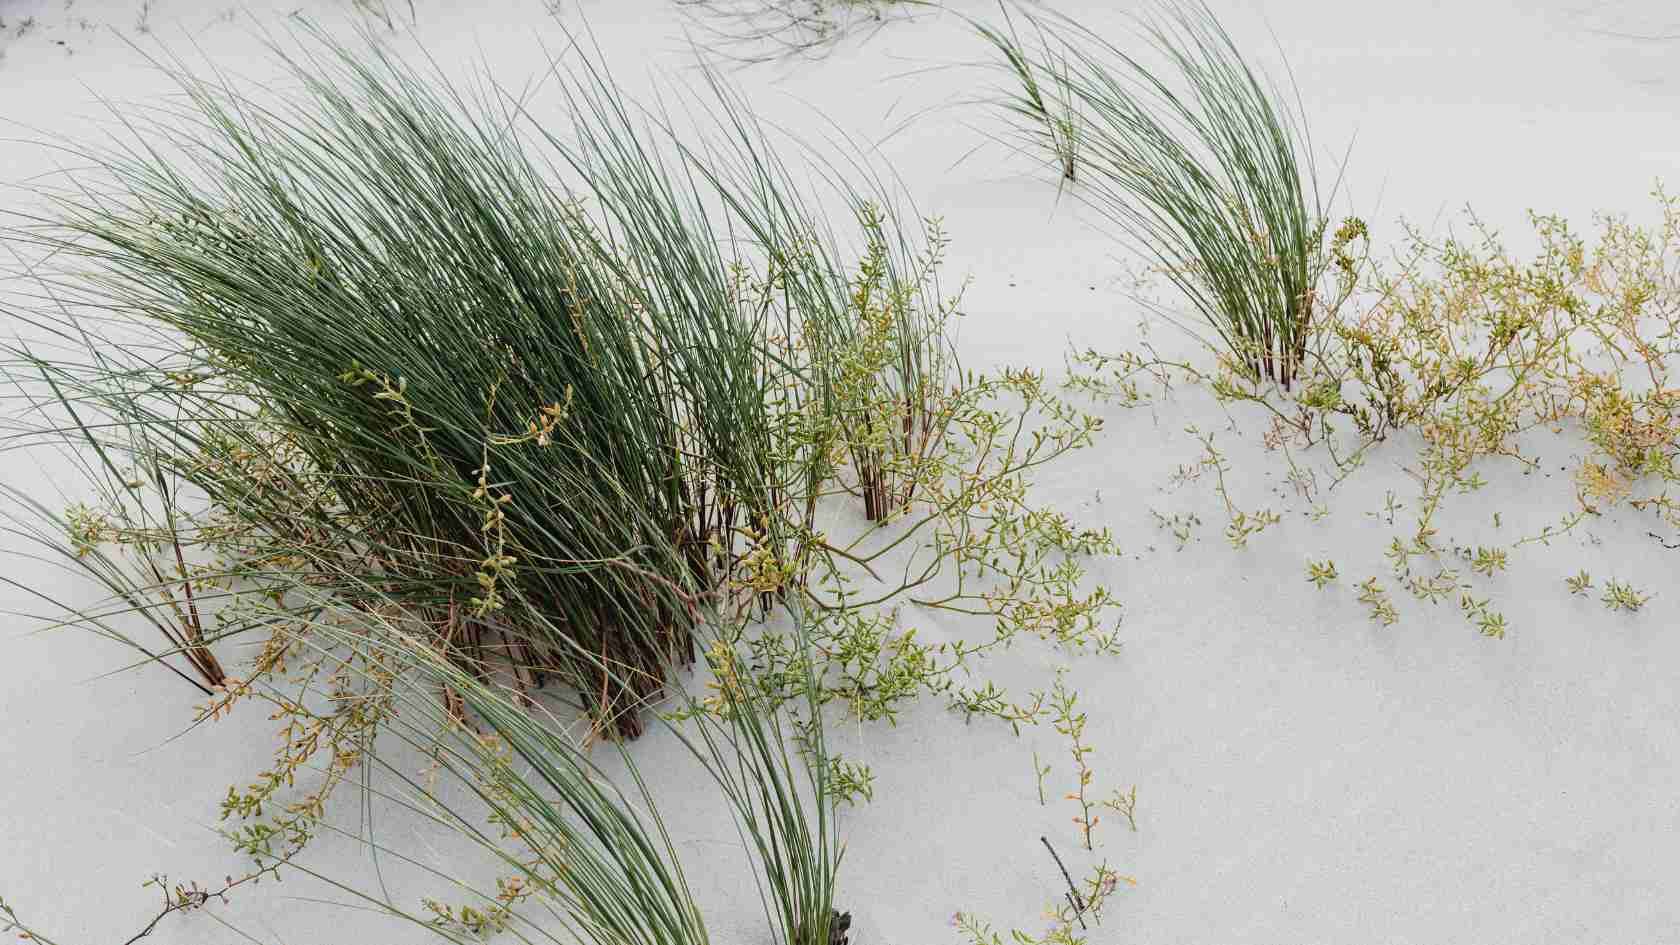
{"x":385,"y":349}
{"x":372,"y":366}
{"x":383,"y":344}
{"x":1205,"y":167}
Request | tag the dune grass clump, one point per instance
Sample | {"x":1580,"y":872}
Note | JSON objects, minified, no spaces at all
{"x":356,"y":363}
{"x":384,"y":349}
{"x":378,"y":341}
{"x":1205,"y":167}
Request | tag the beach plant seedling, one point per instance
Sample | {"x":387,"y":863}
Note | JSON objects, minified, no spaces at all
{"x":1485,"y":561}
{"x":1039,"y":771}
{"x":1071,"y":910}
{"x":1390,"y":508}
{"x":1579,"y":584}
{"x":1182,"y":525}
{"x":1374,"y":597}
{"x":1240,"y":525}
{"x":1491,"y":623}
{"x":849,"y":782}
{"x":1322,"y":573}
{"x":1124,"y":804}
{"x":1621,"y":596}
{"x":189,"y":896}
{"x":1071,"y":724}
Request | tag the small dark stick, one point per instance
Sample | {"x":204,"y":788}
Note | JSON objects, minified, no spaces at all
{"x":1074,"y":899}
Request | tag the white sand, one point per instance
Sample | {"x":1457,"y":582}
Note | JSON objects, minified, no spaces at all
{"x":1303,"y":775}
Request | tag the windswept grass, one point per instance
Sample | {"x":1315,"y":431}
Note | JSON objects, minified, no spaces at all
{"x":1042,"y":103}
{"x":1205,"y":167}
{"x":367,"y":320}
{"x":364,"y":336}
{"x":586,"y":857}
{"x":582,"y":855}
{"x":360,"y":379}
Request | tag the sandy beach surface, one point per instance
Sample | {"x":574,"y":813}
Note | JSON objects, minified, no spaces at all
{"x":1304,"y":775}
